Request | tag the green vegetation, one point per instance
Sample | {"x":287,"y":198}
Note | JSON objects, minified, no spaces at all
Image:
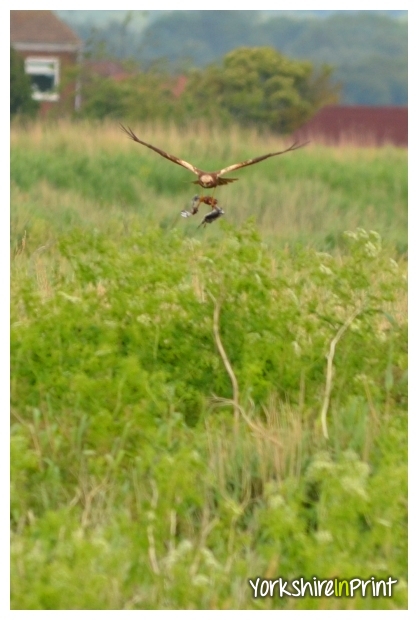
{"x":106,"y":98}
{"x":368,"y":51}
{"x":260,"y":87}
{"x":253,"y":87}
{"x":67,"y":174}
{"x":21,"y":101}
{"x":365,"y":48}
{"x":148,"y":469}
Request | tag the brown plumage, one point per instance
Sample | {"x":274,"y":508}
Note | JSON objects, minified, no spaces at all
{"x":209,"y":179}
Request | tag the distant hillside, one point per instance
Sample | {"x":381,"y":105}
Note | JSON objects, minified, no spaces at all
{"x":367,"y":49}
{"x":100,"y":18}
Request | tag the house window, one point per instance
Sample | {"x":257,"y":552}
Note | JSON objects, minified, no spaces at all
{"x":44,"y":75}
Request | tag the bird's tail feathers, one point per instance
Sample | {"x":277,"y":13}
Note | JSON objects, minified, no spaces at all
{"x":223,"y":181}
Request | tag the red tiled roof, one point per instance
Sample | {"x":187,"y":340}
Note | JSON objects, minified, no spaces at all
{"x":117,"y":71}
{"x":108,"y":68}
{"x":40,"y":27}
{"x":179,"y":86}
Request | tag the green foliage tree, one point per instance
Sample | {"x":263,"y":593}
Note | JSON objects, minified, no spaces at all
{"x":351,"y":41}
{"x":21,"y":101}
{"x":139,"y":96}
{"x":260,"y":86}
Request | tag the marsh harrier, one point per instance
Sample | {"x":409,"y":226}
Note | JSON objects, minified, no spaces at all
{"x":209,"y":179}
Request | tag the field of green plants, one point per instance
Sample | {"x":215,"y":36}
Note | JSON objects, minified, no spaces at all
{"x":192,"y":407}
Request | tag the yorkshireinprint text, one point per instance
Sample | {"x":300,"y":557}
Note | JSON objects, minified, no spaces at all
{"x":326,"y":587}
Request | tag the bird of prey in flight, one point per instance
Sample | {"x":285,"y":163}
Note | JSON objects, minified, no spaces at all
{"x":209,"y":179}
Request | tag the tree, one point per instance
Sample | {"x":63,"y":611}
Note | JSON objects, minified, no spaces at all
{"x":138,"y":96}
{"x":21,"y":101}
{"x":259,"y":86}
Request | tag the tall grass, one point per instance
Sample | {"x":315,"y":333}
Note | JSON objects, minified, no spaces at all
{"x":311,"y":195}
{"x":134,"y":486}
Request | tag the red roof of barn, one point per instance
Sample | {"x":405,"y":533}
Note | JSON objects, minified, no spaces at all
{"x":368,"y":125}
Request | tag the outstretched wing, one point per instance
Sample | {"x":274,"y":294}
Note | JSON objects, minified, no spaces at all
{"x":255,"y":160}
{"x":172,"y":158}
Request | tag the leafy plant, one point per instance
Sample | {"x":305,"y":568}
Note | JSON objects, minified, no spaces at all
{"x":21,"y":101}
{"x":168,"y":392}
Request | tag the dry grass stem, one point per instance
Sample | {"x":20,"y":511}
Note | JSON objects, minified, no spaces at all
{"x":330,"y":368}
{"x":226,"y":362}
{"x":150,"y":531}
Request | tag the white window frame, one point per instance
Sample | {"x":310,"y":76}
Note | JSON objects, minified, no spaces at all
{"x":44,"y":65}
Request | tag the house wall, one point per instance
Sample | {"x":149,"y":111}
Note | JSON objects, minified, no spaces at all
{"x":68,"y":61}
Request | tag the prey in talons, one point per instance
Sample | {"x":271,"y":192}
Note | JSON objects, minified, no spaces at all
{"x":212,"y":216}
{"x":207,"y":200}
